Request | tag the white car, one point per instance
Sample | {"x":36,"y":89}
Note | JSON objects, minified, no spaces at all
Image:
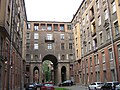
{"x":95,"y":86}
{"x":117,"y":87}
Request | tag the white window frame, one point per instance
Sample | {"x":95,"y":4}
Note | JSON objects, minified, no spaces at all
{"x":36,"y":36}
{"x":62,"y":36}
{"x":103,"y":57}
{"x":106,"y":14}
{"x":49,"y":37}
{"x":113,"y":7}
{"x":35,"y":46}
{"x":49,"y":46}
{"x":111,"y":54}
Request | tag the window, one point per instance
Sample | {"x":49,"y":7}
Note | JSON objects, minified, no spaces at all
{"x":77,"y":53}
{"x":113,"y":75}
{"x":49,"y":27}
{"x":103,"y":57}
{"x":70,"y":45}
{"x":28,"y":36}
{"x":113,"y":7}
{"x":119,"y":53}
{"x":71,"y":56}
{"x":49,"y":37}
{"x":101,"y":38}
{"x":105,"y":76}
{"x":36,"y":57}
{"x":70,"y":36}
{"x":99,"y":20}
{"x":96,"y":59}
{"x":62,"y":46}
{"x":116,"y":28}
{"x":27,"y":46}
{"x":36,"y":27}
{"x":28,"y":56}
{"x":89,"y":46}
{"x":61,"y":27}
{"x":63,"y":57}
{"x":111,"y":54}
{"x":43,"y":27}
{"x":69,"y":27}
{"x":108,"y":34}
{"x":90,"y":61}
{"x":55,"y":27}
{"x":49,"y":46}
{"x":28,"y":25}
{"x":36,"y":36}
{"x":106,"y":14}
{"x":97,"y":4}
{"x":35,"y":46}
{"x":62,"y":36}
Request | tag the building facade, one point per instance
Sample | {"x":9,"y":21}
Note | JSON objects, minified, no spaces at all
{"x":49,"y":40}
{"x":12,"y":20}
{"x":99,"y":40}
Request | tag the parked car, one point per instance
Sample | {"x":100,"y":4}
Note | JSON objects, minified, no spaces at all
{"x":109,"y":85}
{"x":95,"y":86}
{"x":48,"y":86}
{"x":117,"y":87}
{"x":66,"y":83}
{"x":31,"y":86}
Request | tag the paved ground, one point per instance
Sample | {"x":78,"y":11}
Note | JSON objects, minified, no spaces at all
{"x":77,"y":87}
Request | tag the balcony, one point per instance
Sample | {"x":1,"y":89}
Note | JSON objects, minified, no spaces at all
{"x":49,"y":40}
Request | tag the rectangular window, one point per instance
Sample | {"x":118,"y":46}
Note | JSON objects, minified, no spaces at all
{"x":111,"y":54}
{"x":55,"y":27}
{"x":113,"y":75}
{"x":97,"y":4}
{"x":62,"y":46}
{"x":36,"y":27}
{"x":101,"y":38}
{"x":28,"y":36}
{"x":106,"y":14}
{"x":103,"y":57}
{"x":49,"y":46}
{"x":36,"y":36}
{"x":35,"y":46}
{"x":70,"y":45}
{"x":108,"y":34}
{"x":119,"y":53}
{"x":113,"y":7}
{"x":69,"y":27}
{"x":99,"y":20}
{"x":43,"y":27}
{"x":90,"y":61}
{"x":116,"y":28}
{"x":27,"y":46}
{"x":49,"y":27}
{"x":28,"y":25}
{"x":61,"y":27}
{"x":49,"y":37}
{"x":62,"y":36}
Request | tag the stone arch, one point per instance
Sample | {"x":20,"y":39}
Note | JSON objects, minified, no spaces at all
{"x":36,"y":74}
{"x":54,"y":60}
{"x":63,"y":73}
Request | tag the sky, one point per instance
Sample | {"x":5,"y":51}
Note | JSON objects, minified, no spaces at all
{"x":51,"y":10}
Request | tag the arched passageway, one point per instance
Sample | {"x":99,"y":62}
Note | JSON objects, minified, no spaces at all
{"x":63,"y":73}
{"x":52,"y":68}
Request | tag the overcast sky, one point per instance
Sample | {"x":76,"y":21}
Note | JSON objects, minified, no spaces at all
{"x":51,"y":10}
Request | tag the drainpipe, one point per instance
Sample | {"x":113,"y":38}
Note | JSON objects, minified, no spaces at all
{"x":112,"y":42}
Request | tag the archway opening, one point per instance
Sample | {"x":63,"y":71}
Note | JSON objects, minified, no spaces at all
{"x":36,"y":74}
{"x":63,"y":73}
{"x":49,"y":66}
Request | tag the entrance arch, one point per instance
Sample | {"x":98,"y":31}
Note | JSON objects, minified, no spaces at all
{"x":63,"y":73}
{"x":36,"y":74}
{"x":54,"y":60}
